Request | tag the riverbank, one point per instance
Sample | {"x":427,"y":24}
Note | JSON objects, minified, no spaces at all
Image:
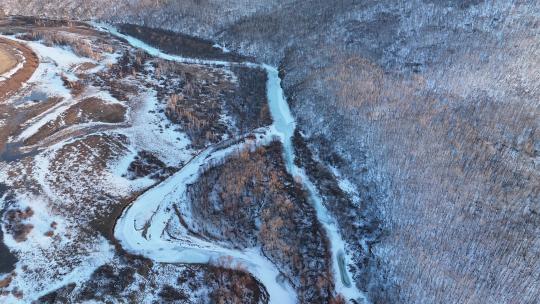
{"x":284,"y":126}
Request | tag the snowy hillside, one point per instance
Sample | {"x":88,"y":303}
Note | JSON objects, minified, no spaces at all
{"x":413,"y":160}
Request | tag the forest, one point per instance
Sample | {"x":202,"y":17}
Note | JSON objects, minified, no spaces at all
{"x":430,"y":109}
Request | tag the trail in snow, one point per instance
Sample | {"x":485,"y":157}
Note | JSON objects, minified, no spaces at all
{"x":141,"y":227}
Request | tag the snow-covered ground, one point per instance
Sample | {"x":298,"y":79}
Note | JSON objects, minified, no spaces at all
{"x":51,"y":233}
{"x":66,"y":175}
{"x":141,"y":227}
{"x":285,"y":124}
{"x":153,"y":210}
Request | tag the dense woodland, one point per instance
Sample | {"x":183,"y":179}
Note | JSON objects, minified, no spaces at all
{"x":431,"y":108}
{"x":250,"y":200}
{"x":218,"y":283}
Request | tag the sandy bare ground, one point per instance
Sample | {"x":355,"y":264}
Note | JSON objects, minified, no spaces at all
{"x":11,"y":85}
{"x":7,"y":60}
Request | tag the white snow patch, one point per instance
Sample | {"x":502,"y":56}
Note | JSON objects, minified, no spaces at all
{"x":347,"y":186}
{"x":43,"y":276}
{"x":49,"y":116}
{"x":119,"y":169}
{"x":100,"y":94}
{"x":152,"y":131}
{"x":41,"y":221}
{"x":64,"y":59}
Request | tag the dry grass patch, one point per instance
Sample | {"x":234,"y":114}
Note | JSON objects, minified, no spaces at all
{"x":7,"y":60}
{"x":87,"y":111}
{"x":80,"y":46}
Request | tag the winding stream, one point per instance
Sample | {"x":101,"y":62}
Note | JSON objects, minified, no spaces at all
{"x":141,"y":227}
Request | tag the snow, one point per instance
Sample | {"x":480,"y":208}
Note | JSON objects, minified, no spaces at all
{"x":93,"y":92}
{"x":137,"y":43}
{"x":43,"y":275}
{"x":119,"y":169}
{"x":47,"y":79}
{"x":151,"y":209}
{"x":41,"y":220}
{"x":141,"y":228}
{"x":222,"y":48}
{"x":347,"y":186}
{"x":42,"y":120}
{"x":55,"y":62}
{"x":101,"y":252}
{"x":154,"y":51}
{"x":38,"y":273}
{"x":62,"y":58}
{"x":149,"y":132}
{"x":285,"y":125}
{"x":12,"y":72}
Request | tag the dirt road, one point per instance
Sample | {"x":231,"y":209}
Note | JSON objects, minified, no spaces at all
{"x":10,"y":119}
{"x":14,"y":82}
{"x":7,"y":60}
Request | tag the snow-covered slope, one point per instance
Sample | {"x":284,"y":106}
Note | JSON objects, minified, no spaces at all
{"x":428,"y":108}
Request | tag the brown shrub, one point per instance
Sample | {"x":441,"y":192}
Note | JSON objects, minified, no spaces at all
{"x":15,"y":223}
